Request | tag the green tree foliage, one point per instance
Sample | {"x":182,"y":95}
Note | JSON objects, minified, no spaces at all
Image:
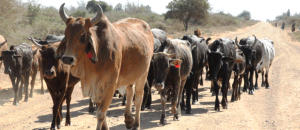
{"x":91,"y":6}
{"x":245,"y":15}
{"x":118,"y":7}
{"x":32,"y":12}
{"x":186,"y":10}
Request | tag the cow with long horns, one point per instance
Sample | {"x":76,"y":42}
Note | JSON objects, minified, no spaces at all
{"x":107,"y":55}
{"x":253,"y":49}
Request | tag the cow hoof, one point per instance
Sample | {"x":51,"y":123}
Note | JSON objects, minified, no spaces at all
{"x":256,"y":87}
{"x":188,"y":111}
{"x":26,"y":100}
{"x":163,"y":121}
{"x":250,"y":92}
{"x":42,"y":92}
{"x":244,"y":90}
{"x":15,"y":103}
{"x":30,"y":96}
{"x":52,"y":128}
{"x":267,"y":87}
{"x":68,"y":123}
{"x":58,"y":126}
{"x":129,"y":121}
{"x":175,"y":117}
{"x":91,"y":110}
{"x":193,"y":102}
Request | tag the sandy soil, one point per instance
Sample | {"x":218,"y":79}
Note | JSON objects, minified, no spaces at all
{"x":274,"y":108}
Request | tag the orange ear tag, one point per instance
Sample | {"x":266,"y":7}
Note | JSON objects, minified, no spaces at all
{"x":89,"y":55}
{"x":177,"y":65}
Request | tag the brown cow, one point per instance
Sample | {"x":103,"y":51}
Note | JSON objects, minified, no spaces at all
{"x":107,"y":55}
{"x":55,"y":76}
{"x":3,"y":46}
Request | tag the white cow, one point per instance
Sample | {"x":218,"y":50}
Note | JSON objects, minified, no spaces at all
{"x":268,"y":55}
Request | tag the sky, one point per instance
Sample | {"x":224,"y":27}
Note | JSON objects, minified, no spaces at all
{"x":259,"y":9}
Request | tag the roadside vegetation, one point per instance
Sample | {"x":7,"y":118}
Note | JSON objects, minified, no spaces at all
{"x":289,"y":19}
{"x":19,"y":20}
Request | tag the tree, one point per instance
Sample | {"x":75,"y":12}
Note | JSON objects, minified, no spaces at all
{"x":288,"y":13}
{"x":245,"y":15}
{"x":91,"y":6}
{"x":32,"y":12}
{"x":186,"y":10}
{"x":118,"y":7}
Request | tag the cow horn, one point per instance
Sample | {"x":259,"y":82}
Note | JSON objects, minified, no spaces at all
{"x":62,"y":13}
{"x":255,"y":41}
{"x":1,"y":44}
{"x":97,"y":18}
{"x":35,"y":42}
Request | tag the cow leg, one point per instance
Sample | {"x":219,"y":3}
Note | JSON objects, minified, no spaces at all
{"x":182,"y":103}
{"x":15,"y":88}
{"x":246,"y":81}
{"x":91,"y":106}
{"x":267,"y":79}
{"x":54,"y":111}
{"x":216,"y":90}
{"x":146,"y":95}
{"x":224,"y":92}
{"x":189,"y":91}
{"x":256,"y":77}
{"x":180,"y":92}
{"x":59,"y":116}
{"x":139,"y":92}
{"x":123,"y":101}
{"x":263,"y":83}
{"x":251,"y":89}
{"x":20,"y":96}
{"x":33,"y":76}
{"x":42,"y":86}
{"x":68,"y":100}
{"x":26,"y":78}
{"x":163,"y":107}
{"x":201,"y":78}
{"x":239,"y":89}
{"x":234,"y":88}
{"x":102,"y":108}
{"x":129,"y":120}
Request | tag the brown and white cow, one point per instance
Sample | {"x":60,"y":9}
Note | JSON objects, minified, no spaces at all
{"x":3,"y":46}
{"x":107,"y":55}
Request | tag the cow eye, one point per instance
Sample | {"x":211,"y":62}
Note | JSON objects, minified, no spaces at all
{"x":82,"y":39}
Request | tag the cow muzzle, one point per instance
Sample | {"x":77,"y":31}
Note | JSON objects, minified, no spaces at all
{"x":50,"y":74}
{"x":69,"y":60}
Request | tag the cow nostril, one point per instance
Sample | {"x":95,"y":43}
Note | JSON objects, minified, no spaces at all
{"x":51,"y":72}
{"x":67,"y":60}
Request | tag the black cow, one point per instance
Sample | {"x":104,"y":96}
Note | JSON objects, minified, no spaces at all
{"x":17,"y":62}
{"x":238,"y":69}
{"x":293,"y":27}
{"x":55,"y":76}
{"x":160,"y":38}
{"x":252,"y":49}
{"x":199,"y":50}
{"x":221,"y":58}
{"x":171,"y":80}
{"x":283,"y":25}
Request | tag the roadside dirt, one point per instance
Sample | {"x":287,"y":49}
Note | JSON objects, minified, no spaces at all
{"x":274,"y":108}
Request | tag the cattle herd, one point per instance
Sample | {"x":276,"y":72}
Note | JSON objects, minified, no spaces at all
{"x":128,"y":54}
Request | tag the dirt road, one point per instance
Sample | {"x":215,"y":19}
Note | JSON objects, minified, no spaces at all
{"x":274,"y":108}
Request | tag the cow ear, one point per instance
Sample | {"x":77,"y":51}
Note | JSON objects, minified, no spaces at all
{"x":91,"y":50}
{"x":61,"y":48}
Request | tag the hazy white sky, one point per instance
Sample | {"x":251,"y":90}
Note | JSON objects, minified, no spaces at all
{"x":259,"y":9}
